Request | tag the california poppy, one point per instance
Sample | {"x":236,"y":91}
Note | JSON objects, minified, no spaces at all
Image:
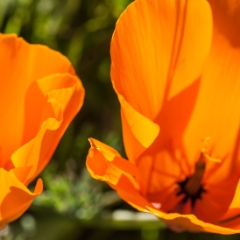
{"x":175,"y":69}
{"x":39,"y":96}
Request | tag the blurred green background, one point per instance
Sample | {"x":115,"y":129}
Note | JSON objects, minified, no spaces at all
{"x":74,"y":206}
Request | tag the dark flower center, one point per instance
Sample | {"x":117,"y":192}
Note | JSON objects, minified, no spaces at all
{"x":187,"y":196}
{"x":192,"y":186}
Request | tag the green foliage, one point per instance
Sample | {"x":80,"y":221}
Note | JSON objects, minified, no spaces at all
{"x":69,"y":194}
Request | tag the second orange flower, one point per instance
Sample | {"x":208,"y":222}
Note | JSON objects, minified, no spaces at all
{"x":175,"y":69}
{"x":39,"y":96}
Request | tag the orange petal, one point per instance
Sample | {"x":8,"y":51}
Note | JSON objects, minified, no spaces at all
{"x":226,"y":18}
{"x":187,"y":222}
{"x":216,"y":200}
{"x":15,"y":198}
{"x":156,"y":52}
{"x":166,"y":158}
{"x":105,"y":164}
{"x":22,"y":64}
{"x":21,"y":173}
{"x":139,"y":132}
{"x":232,"y":217}
{"x":64,"y":97}
{"x":158,"y":49}
{"x":216,"y":111}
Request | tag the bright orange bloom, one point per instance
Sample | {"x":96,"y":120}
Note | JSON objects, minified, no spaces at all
{"x":176,"y":72}
{"x":39,"y":96}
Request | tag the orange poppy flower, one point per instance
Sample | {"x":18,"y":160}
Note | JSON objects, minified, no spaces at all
{"x":175,"y":69}
{"x":40,"y":94}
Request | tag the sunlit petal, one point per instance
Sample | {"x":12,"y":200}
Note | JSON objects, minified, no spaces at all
{"x":40,"y":95}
